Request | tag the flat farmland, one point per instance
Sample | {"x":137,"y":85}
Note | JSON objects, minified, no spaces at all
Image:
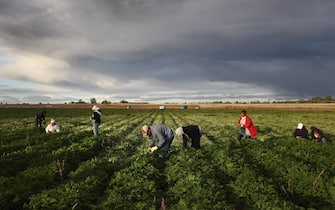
{"x":75,"y":170}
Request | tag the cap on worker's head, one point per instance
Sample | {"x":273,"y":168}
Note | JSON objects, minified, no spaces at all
{"x":300,"y":126}
{"x":179,"y":131}
{"x":95,"y":107}
{"x":144,"y":131}
{"x":52,"y":121}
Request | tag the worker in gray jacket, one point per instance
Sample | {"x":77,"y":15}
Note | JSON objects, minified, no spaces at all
{"x":161,"y":137}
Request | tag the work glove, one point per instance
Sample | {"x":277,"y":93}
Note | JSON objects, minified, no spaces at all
{"x":149,"y":149}
{"x":152,"y":149}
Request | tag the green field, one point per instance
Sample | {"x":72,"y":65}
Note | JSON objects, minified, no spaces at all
{"x":75,"y":170}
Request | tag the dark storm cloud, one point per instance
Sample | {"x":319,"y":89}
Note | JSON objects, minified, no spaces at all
{"x":285,"y":47}
{"x":299,"y":78}
{"x":28,"y":21}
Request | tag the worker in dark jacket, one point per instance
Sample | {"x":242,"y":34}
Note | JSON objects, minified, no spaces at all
{"x":161,"y":137}
{"x":192,"y":132}
{"x":317,"y":135}
{"x":96,"y":119}
{"x":40,"y":118}
{"x":301,"y":132}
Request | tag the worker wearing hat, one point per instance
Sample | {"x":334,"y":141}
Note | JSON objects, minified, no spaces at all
{"x":301,"y":133}
{"x":192,"y":132}
{"x":53,"y":127}
{"x":96,"y":119}
{"x":161,"y":137}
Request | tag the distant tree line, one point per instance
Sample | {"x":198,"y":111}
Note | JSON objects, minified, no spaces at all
{"x":317,"y":99}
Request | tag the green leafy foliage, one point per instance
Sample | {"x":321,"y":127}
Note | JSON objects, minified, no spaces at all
{"x":75,"y":170}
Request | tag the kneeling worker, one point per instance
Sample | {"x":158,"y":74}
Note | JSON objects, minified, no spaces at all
{"x":53,"y":127}
{"x":192,"y":132}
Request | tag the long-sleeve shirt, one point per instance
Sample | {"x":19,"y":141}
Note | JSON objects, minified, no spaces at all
{"x":303,"y":133}
{"x":160,"y":135}
{"x":52,"y":128}
{"x":96,"y":116}
{"x":191,"y":131}
{"x":246,"y":122}
{"x":40,"y":116}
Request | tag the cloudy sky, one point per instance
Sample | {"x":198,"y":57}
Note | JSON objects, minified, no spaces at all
{"x":166,"y":50}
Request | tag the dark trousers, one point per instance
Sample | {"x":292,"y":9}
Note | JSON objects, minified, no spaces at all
{"x":38,"y":122}
{"x":195,"y":142}
{"x":165,"y":150}
{"x":241,"y":134}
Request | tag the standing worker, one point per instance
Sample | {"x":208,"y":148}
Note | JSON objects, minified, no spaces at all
{"x":40,"y":118}
{"x":96,"y":119}
{"x":247,"y":128}
{"x":161,"y":137}
{"x":192,"y":132}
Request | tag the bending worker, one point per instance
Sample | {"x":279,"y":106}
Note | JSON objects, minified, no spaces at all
{"x":161,"y":137}
{"x":247,"y":128}
{"x":192,"y":132}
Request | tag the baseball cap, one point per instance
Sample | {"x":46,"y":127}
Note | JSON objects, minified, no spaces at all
{"x":179,"y":131}
{"x":300,"y":126}
{"x":144,"y":131}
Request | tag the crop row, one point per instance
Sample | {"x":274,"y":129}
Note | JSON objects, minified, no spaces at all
{"x":74,"y":169}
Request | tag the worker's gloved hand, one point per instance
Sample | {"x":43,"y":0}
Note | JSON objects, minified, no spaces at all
{"x":152,"y":149}
{"x":149,"y":149}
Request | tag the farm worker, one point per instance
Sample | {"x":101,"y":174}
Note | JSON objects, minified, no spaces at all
{"x":161,"y":137}
{"x":53,"y":127}
{"x":96,"y":119}
{"x":317,"y":135}
{"x":39,"y":118}
{"x":247,"y":128}
{"x":192,"y":132}
{"x":301,"y":132}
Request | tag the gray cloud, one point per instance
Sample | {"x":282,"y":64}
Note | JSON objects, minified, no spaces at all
{"x":159,"y":50}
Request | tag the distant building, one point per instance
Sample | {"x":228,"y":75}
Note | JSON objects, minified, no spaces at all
{"x":183,"y":107}
{"x":128,"y":106}
{"x":162,"y":107}
{"x":197,"y":107}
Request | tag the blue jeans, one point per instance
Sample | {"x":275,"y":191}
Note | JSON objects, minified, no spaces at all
{"x":165,"y":149}
{"x":96,"y":128}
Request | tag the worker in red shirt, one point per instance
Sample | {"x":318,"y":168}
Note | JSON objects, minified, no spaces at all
{"x":247,"y":128}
